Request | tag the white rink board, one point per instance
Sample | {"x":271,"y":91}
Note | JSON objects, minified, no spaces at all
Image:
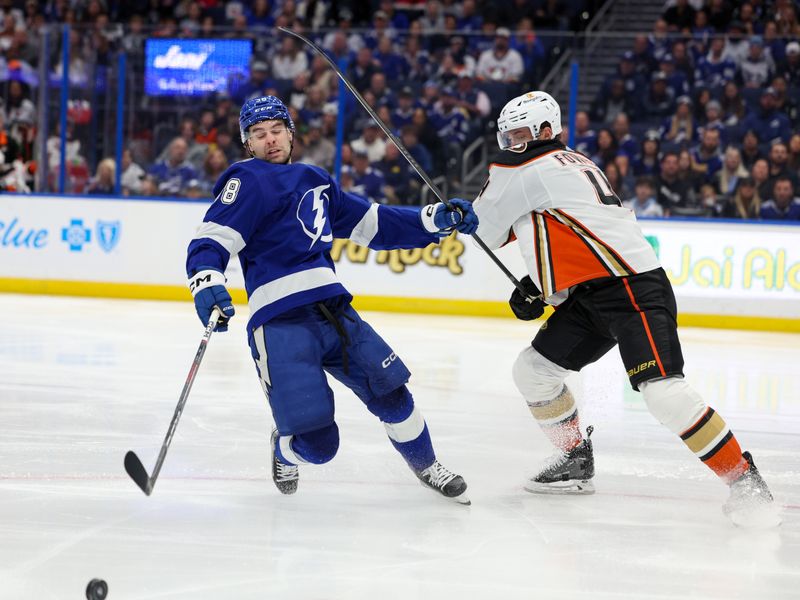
{"x":721,"y":268}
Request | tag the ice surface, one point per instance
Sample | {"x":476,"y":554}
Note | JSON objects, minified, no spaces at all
{"x":85,"y":380}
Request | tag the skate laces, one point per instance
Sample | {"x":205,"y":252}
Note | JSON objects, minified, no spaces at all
{"x":285,"y":472}
{"x":437,"y":475}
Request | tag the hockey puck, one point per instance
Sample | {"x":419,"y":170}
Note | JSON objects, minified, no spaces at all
{"x":97,"y":590}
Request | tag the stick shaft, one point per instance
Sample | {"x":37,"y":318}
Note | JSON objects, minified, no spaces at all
{"x":403,"y":150}
{"x":198,"y":357}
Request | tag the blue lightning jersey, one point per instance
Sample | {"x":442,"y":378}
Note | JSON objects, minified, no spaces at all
{"x":281,"y":220}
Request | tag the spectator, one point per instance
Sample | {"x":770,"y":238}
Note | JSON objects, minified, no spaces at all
{"x":452,"y":127}
{"x":785,"y":102}
{"x":617,"y":181}
{"x":733,"y":108}
{"x":646,"y":162}
{"x":778,"y":159}
{"x":719,"y":15}
{"x":259,"y":17}
{"x":469,"y":19}
{"x":103,"y":181}
{"x":607,"y":148}
{"x":298,"y":92}
{"x":585,"y":137}
{"x":706,"y":159}
{"x":644,"y":203}
{"x":789,"y":67}
{"x":680,"y":128}
{"x":794,"y":154}
{"x":676,"y":80}
{"x":713,"y":120}
{"x":608,"y":104}
{"x":290,"y":60}
{"x":473,"y":100}
{"x":462,"y":60}
{"x":394,"y":66}
{"x":383,"y":95}
{"x":206,"y":129}
{"x":225,"y":142}
{"x":680,"y":16}
{"x":429,"y":138}
{"x":214,"y":166}
{"x":751,"y":151}
{"x":746,"y":203}
{"x":683,"y":61}
{"x":132,"y":175}
{"x":370,"y":141}
{"x":760,"y":175}
{"x":672,"y":189}
{"x":321,"y":150}
{"x":500,"y":63}
{"x":174,"y":173}
{"x":402,"y":187}
{"x":626,"y":143}
{"x":715,"y":69}
{"x":410,"y":139}
{"x":362,"y":70}
{"x":367,"y":182}
{"x":783,"y":205}
{"x":768,"y":123}
{"x":149,"y":186}
{"x":660,"y":99}
{"x":404,"y":112}
{"x":757,"y":68}
{"x":659,"y":41}
{"x":727,"y":178}
{"x":710,"y":203}
{"x":531,"y":49}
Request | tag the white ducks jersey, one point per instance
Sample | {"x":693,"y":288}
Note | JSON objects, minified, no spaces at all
{"x":569,"y":224}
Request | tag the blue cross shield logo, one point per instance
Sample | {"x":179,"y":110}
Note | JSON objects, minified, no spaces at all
{"x":108,"y":234}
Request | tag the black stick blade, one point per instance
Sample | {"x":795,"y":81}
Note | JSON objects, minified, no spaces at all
{"x":136,"y":470}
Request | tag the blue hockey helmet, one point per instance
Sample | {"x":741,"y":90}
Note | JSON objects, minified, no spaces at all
{"x":265,"y":108}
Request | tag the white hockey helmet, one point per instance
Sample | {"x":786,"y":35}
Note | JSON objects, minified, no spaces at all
{"x":529,"y":110}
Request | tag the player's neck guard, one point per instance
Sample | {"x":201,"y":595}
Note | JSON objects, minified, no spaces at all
{"x":533,"y":150}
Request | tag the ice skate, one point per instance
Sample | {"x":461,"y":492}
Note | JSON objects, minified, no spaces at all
{"x":443,"y":481}
{"x":750,"y":503}
{"x":285,"y":476}
{"x":567,"y":472}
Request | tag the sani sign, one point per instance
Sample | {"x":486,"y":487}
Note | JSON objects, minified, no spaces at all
{"x":194,"y":67}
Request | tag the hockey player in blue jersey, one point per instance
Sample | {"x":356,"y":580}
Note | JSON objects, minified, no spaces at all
{"x":280,"y":218}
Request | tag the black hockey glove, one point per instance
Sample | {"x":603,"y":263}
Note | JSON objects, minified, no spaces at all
{"x":524,"y":309}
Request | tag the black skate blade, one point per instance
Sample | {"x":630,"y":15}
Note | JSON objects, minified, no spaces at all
{"x":572,"y":488}
{"x":136,"y":470}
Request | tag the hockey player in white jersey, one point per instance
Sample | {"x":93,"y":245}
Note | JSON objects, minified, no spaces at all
{"x":586,"y":256}
{"x":280,"y":218}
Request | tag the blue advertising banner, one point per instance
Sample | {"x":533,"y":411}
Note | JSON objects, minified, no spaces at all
{"x":194,"y":67}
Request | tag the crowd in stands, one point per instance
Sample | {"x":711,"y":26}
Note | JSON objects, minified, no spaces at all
{"x":701,"y":117}
{"x":429,"y":68}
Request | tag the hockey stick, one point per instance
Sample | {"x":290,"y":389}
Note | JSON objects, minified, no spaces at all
{"x":133,"y":465}
{"x":404,"y":151}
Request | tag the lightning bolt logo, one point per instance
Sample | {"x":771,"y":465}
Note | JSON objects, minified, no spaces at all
{"x":318,"y":198}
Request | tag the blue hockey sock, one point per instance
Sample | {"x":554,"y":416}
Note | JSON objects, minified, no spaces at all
{"x":405,"y":427}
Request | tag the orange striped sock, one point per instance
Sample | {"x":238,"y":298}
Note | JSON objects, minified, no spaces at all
{"x":565,"y":435}
{"x":714,"y":443}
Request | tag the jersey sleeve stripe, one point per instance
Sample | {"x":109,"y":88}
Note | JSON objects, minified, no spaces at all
{"x":366,"y":229}
{"x":545,"y":260}
{"x":285,"y":286}
{"x":227,"y":237}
